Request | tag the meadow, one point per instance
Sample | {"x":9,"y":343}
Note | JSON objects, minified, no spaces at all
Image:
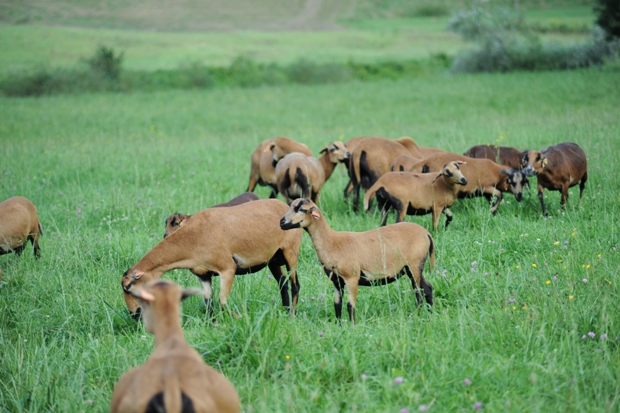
{"x":518,"y":296}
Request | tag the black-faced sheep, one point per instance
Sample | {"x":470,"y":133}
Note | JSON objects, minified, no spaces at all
{"x":557,"y":168}
{"x":417,"y":193}
{"x":503,"y":155}
{"x":224,"y":242}
{"x":301,"y":176}
{"x":174,"y":378}
{"x":373,"y":257}
{"x":265,"y":158}
{"x":19,"y":223}
{"x":176,"y":220}
{"x":484,"y":177}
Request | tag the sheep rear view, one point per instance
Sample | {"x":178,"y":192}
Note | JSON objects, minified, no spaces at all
{"x":557,"y":168}
{"x":19,"y":223}
{"x":375,"y":257}
{"x":174,"y":378}
{"x":224,"y":242}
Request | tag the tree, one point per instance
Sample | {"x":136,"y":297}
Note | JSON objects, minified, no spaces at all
{"x":608,"y":17}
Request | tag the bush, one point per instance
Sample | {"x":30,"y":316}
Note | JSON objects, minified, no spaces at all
{"x":307,"y":72}
{"x":106,"y":62}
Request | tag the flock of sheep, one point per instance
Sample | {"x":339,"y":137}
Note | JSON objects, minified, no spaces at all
{"x":246,"y":234}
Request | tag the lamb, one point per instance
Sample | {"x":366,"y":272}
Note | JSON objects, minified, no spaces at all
{"x":484,"y":177}
{"x":264,"y":161}
{"x":557,"y":168}
{"x":224,"y":242}
{"x":503,"y":155}
{"x":373,"y":257}
{"x":373,"y":157}
{"x":19,"y":223}
{"x":301,"y":176}
{"x":174,"y":378}
{"x":417,"y":194}
{"x":176,"y":220}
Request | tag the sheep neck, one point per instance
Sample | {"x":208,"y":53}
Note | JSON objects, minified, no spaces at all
{"x":327,"y":165}
{"x":168,"y":325}
{"x":323,"y":238}
{"x":173,"y":252}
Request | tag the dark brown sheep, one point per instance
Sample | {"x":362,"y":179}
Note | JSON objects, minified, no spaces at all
{"x":503,"y":155}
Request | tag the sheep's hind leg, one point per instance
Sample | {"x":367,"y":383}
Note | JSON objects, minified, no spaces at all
{"x":226,"y":283}
{"x":582,"y":184}
{"x":207,"y":286}
{"x":276,"y":270}
{"x":338,"y":291}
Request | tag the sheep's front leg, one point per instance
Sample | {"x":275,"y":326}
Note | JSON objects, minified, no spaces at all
{"x":352,"y":286}
{"x":207,"y":286}
{"x":338,"y":291}
{"x":542,"y":200}
{"x":226,"y":282}
{"x":276,"y":270}
{"x":448,"y":214}
{"x":498,"y":194}
{"x":564,"y":195}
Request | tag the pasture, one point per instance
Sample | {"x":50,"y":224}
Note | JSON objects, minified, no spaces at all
{"x":516,"y":294}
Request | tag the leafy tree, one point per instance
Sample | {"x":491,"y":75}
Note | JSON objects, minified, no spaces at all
{"x":608,"y":12}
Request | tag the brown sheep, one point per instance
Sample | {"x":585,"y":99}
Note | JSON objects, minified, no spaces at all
{"x":301,"y":176}
{"x":174,"y":378}
{"x":375,"y":257}
{"x":265,"y":158}
{"x":176,"y":220}
{"x":417,"y":194}
{"x":351,"y":144}
{"x":224,"y":242}
{"x":484,"y":177}
{"x":557,"y":168}
{"x":373,"y":157}
{"x":503,"y":155}
{"x":19,"y":223}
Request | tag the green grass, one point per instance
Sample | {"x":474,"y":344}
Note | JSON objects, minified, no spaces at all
{"x":105,"y":170}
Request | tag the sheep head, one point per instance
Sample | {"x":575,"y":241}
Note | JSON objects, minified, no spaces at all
{"x":533,"y":162}
{"x":300,"y":214}
{"x":174,"y":222}
{"x":515,"y":182}
{"x":337,"y":152}
{"x":452,"y":173}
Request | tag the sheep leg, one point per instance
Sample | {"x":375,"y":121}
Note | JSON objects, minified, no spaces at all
{"x":582,"y":184}
{"x":352,"y":286}
{"x":564,"y":196}
{"x":401,"y":214}
{"x":542,"y":200}
{"x":276,"y":270}
{"x":35,"y":243}
{"x":226,"y":283}
{"x":274,"y":191}
{"x":356,"y":197}
{"x":436,"y":214}
{"x":384,"y":216}
{"x":498,"y":194}
{"x":207,"y":286}
{"x":448,"y":214}
{"x":338,"y":291}
{"x":415,"y":283}
{"x":347,"y":190}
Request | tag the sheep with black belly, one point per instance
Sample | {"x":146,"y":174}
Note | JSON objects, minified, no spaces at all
{"x":177,"y":220}
{"x":224,"y":242}
{"x":557,"y":168}
{"x":484,"y":177}
{"x":417,"y":194}
{"x":264,"y":160}
{"x":174,"y":378}
{"x":301,"y":176}
{"x":373,"y":257}
{"x":19,"y":223}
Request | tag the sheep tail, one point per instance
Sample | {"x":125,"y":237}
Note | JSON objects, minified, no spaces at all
{"x":172,"y":392}
{"x":369,"y":196}
{"x":356,"y":176}
{"x":302,"y":181}
{"x":431,"y":251}
{"x":40,"y":228}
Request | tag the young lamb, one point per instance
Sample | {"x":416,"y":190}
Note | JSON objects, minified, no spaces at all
{"x":373,"y":157}
{"x":301,"y":176}
{"x":417,"y":194}
{"x":174,"y":378}
{"x":373,"y":257}
{"x":176,"y":220}
{"x":263,"y":169}
{"x":224,"y":242}
{"x":503,"y":155}
{"x":19,"y":223}
{"x":484,"y":177}
{"x":557,"y":168}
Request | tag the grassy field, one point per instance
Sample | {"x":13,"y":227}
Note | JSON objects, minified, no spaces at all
{"x":515,"y":294}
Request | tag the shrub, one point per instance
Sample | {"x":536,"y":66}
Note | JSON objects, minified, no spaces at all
{"x":306,"y":72}
{"x":106,"y":62}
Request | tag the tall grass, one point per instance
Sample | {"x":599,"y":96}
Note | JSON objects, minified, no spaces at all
{"x":512,"y":298}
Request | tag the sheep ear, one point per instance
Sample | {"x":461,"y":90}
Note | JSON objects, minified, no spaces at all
{"x":188,"y":292}
{"x":460,"y":162}
{"x":544,"y":162}
{"x":182,"y":222}
{"x":315,"y":213}
{"x":137,"y":275}
{"x":323,"y":150}
{"x":143,"y":295}
{"x":437,"y":177}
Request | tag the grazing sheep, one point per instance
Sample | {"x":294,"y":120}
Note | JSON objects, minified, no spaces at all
{"x":373,"y":257}
{"x":503,"y":155}
{"x":19,"y":223}
{"x":417,"y":194}
{"x":557,"y":168}
{"x":265,"y":157}
{"x":174,"y":378}
{"x":301,"y":176}
{"x":224,"y":242}
{"x":484,"y":177}
{"x":176,"y":220}
{"x":373,"y":157}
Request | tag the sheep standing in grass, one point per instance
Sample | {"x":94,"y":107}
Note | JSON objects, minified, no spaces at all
{"x":373,"y":257}
{"x":19,"y":223}
{"x":301,"y":176}
{"x":174,"y":378}
{"x":177,"y":220}
{"x":264,"y":160}
{"x":417,"y":194}
{"x":224,"y":242}
{"x":557,"y":168}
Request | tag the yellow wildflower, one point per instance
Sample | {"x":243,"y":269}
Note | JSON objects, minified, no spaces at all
{"x":534,"y":265}
{"x":570,"y":297}
{"x":556,"y":243}
{"x":287,"y":357}
{"x":548,"y":282}
{"x":518,"y":266}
